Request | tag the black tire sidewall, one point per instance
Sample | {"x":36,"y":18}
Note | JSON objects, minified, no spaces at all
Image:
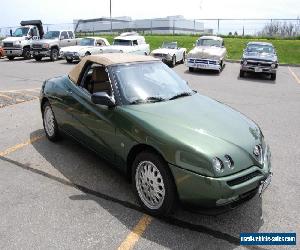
{"x":170,"y":190}
{"x":56,"y":135}
{"x":52,"y":53}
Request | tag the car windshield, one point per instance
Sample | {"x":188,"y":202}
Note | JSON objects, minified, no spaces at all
{"x":209,"y":42}
{"x":167,"y":45}
{"x":149,"y":82}
{"x":51,"y":35}
{"x":19,"y":32}
{"x":260,"y":48}
{"x":87,"y":42}
{"x":122,"y":42}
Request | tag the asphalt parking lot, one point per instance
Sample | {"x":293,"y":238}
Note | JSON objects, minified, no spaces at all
{"x":63,"y":196}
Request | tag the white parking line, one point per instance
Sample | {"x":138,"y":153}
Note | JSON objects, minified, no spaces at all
{"x":294,"y":75}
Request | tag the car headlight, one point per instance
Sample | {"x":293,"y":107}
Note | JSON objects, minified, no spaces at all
{"x":245,"y":62}
{"x":218,"y":164}
{"x":76,"y":54}
{"x":273,"y":65}
{"x":228,"y":162}
{"x":101,"y":50}
{"x":168,"y":56}
{"x":45,"y":45}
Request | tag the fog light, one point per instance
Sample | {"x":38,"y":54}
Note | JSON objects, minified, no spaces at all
{"x":273,"y":65}
{"x":218,"y":164}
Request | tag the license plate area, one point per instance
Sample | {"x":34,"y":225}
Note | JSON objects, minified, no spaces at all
{"x":264,"y":184}
{"x":258,"y":69}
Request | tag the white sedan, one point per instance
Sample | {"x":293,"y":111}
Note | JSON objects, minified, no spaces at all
{"x":170,"y":53}
{"x":87,"y":46}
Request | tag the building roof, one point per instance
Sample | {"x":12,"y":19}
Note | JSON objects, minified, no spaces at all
{"x":107,"y":60}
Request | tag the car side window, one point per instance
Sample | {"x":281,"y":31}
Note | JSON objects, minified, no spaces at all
{"x":34,"y":31}
{"x":135,"y":42}
{"x":100,"y":43}
{"x":71,"y":35}
{"x":96,"y":80}
{"x":64,"y":35}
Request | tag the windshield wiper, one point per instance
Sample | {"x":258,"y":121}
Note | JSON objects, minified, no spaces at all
{"x":181,"y":95}
{"x":148,"y":99}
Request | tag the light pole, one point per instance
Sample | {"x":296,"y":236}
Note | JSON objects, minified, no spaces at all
{"x":110,"y":16}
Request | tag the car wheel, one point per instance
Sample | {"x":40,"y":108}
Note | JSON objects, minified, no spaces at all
{"x":242,"y":73}
{"x":69,"y":60}
{"x":49,"y":122}
{"x":173,"y":63}
{"x":38,"y":58}
{"x":10,"y":58}
{"x":273,"y":76}
{"x":54,"y":54}
{"x":26,"y":53}
{"x":183,"y":58}
{"x":153,"y":183}
{"x":191,"y":69}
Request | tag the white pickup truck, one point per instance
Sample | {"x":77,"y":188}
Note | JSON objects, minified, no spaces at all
{"x":50,"y":45}
{"x":18,"y":44}
{"x":129,"y":42}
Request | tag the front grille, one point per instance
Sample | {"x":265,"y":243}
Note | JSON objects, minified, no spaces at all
{"x":244,"y":178}
{"x":8,"y":45}
{"x":262,"y":64}
{"x":158,"y":55}
{"x":202,"y":61}
{"x":37,"y":46}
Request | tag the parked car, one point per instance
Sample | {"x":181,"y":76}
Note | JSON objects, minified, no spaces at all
{"x":18,"y":44}
{"x":137,"y":113}
{"x":170,"y":53}
{"x":129,"y":42}
{"x":51,"y":44}
{"x":87,"y":46}
{"x":259,"y":57}
{"x":209,"y":53}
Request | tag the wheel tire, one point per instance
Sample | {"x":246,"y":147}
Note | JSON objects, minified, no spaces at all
{"x":173,"y":63}
{"x":273,"y":76}
{"x":191,"y":69}
{"x":69,"y":60}
{"x":183,"y":58}
{"x":10,"y":58}
{"x":54,"y":54}
{"x":49,"y":123}
{"x":159,"y":177}
{"x":26,"y":53}
{"x":38,"y":58}
{"x":242,"y":73}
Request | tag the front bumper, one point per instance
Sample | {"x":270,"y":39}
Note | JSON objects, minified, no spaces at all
{"x":203,"y":64}
{"x":40,"y":52}
{"x":163,"y":58}
{"x":258,"y":69}
{"x":13,"y":51}
{"x":70,"y":56}
{"x":202,"y":191}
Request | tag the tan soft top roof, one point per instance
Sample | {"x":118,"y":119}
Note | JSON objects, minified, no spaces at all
{"x":106,"y":60}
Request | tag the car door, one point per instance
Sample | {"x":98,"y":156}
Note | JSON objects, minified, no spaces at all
{"x":64,"y":38}
{"x":92,"y":124}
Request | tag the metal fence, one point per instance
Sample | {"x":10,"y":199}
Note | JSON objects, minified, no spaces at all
{"x":254,"y":27}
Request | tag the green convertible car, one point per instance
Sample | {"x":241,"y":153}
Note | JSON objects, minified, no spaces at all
{"x":173,"y":142}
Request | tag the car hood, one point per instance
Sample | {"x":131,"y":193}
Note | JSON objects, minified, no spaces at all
{"x":260,"y":56}
{"x":42,"y":41}
{"x":76,"y":48}
{"x":163,"y":51}
{"x":207,"y":52}
{"x":13,"y":39}
{"x":201,"y":124}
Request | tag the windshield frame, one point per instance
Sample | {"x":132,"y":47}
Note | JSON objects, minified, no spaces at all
{"x":172,"y":43}
{"x":119,"y":93}
{"x":23,"y":34}
{"x":209,"y":39}
{"x":45,"y":36}
{"x":260,"y":46}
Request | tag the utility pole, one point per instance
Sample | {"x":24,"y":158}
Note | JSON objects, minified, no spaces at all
{"x":110,"y":16}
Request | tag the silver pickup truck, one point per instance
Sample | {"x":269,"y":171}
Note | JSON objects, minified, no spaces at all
{"x":51,"y":43}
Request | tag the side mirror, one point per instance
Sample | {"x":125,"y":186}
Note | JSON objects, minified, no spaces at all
{"x":103,"y":98}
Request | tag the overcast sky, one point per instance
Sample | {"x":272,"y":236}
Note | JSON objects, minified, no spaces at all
{"x":64,"y":11}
